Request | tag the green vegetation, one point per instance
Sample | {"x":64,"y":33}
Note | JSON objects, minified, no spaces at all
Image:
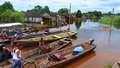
{"x":77,"y":24}
{"x":46,"y":9}
{"x":78,"y":14}
{"x":108,"y":66}
{"x":59,"y":35}
{"x":95,"y":14}
{"x":42,"y":26}
{"x":109,"y":20}
{"x":106,"y":20}
{"x":63,"y":10}
{"x":8,"y":13}
{"x":114,"y":20}
{"x":38,"y":9}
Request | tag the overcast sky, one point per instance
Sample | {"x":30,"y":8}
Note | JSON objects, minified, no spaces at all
{"x":55,"y":5}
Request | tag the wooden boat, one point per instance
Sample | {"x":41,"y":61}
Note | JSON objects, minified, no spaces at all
{"x":56,"y":45}
{"x":38,"y":34}
{"x":3,"y":41}
{"x":46,"y":38}
{"x":50,"y":60}
{"x":25,"y":35}
{"x":117,"y":64}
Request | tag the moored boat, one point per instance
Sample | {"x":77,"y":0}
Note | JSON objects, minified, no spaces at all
{"x":51,"y":60}
{"x":56,"y":45}
{"x":46,"y":38}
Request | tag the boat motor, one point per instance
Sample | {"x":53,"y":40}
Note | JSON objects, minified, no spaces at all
{"x":91,"y":41}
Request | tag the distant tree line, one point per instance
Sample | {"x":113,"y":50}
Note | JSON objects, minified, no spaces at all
{"x":39,"y":9}
{"x":9,"y":14}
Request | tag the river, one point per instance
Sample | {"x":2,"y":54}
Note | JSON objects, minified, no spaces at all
{"x":108,"y":44}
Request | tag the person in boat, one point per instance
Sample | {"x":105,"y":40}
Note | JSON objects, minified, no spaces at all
{"x":47,"y":31}
{"x":4,"y":53}
{"x":41,"y":45}
{"x":77,"y":50}
{"x":17,"y":56}
{"x":41,"y":42}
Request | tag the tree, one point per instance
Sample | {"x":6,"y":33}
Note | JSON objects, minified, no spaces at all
{"x":78,"y":14}
{"x":95,"y":14}
{"x":6,"y":16}
{"x":63,"y":10}
{"x":7,"y":6}
{"x":36,"y":9}
{"x":46,"y":9}
{"x":17,"y":16}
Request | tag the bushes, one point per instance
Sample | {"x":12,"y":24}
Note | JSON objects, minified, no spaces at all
{"x":117,"y":19}
{"x":108,"y":20}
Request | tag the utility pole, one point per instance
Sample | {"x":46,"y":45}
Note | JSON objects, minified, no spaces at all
{"x":111,"y":25}
{"x":69,"y":15}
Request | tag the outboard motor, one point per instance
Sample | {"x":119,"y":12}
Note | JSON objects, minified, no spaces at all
{"x":91,"y":41}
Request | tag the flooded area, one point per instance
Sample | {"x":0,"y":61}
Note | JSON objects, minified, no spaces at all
{"x":107,"y":41}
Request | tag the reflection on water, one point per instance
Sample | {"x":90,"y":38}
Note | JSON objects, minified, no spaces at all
{"x":108,"y":45}
{"x":117,"y":26}
{"x":77,"y":24}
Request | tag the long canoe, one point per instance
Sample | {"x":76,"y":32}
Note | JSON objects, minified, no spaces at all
{"x":46,"y":38}
{"x":24,"y":35}
{"x":42,"y":61}
{"x":56,"y":45}
{"x":32,"y":35}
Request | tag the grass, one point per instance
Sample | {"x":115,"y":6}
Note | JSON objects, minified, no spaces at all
{"x":109,"y":20}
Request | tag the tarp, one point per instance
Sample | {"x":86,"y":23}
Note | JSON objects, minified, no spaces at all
{"x":79,"y":49}
{"x":9,"y":24}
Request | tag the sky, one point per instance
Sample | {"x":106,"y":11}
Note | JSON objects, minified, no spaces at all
{"x":55,"y":5}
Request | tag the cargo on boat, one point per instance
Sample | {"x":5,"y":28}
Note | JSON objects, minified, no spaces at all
{"x":46,"y":38}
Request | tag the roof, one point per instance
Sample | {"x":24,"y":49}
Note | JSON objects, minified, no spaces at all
{"x":32,"y":14}
{"x":9,"y":24}
{"x":46,"y":15}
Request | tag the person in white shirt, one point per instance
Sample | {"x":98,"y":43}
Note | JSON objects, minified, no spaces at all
{"x":17,"y":56}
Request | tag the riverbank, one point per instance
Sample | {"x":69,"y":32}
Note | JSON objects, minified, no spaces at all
{"x":110,"y":20}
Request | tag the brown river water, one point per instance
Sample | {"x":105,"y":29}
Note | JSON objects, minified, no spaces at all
{"x":108,"y":44}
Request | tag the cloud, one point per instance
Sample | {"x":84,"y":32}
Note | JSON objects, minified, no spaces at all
{"x":55,"y":5}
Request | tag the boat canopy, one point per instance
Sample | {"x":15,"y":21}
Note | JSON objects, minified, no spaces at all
{"x":9,"y":24}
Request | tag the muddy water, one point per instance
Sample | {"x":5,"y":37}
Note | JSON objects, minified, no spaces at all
{"x":108,"y":44}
